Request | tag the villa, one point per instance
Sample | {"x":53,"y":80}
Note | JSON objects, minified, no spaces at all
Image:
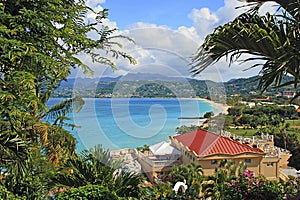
{"x":208,"y":149}
{"x":159,"y":160}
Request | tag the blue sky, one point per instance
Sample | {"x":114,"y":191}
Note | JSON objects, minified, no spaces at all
{"x":173,"y":13}
{"x":167,"y":33}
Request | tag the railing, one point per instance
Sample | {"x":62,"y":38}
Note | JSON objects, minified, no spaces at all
{"x":165,"y":163}
{"x":283,"y":176}
{"x":154,"y":162}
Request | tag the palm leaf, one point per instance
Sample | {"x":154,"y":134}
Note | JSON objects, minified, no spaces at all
{"x":13,"y":152}
{"x":63,"y":108}
{"x":265,"y":38}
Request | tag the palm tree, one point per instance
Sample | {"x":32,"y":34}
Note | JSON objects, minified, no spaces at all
{"x":39,"y":57}
{"x":192,"y":174}
{"x":98,"y":168}
{"x":272,"y":39}
{"x":58,"y":143}
{"x":13,"y":152}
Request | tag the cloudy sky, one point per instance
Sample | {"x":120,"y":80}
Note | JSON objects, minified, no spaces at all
{"x":167,"y":34}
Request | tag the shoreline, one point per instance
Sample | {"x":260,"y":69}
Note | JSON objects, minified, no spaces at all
{"x":218,"y":107}
{"x":221,"y":108}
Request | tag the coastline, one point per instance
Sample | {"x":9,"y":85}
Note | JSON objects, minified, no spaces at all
{"x":221,"y":108}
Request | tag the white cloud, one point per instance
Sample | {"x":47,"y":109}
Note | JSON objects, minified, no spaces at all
{"x":160,"y":49}
{"x":204,"y":21}
{"x":230,"y":10}
{"x":94,"y":3}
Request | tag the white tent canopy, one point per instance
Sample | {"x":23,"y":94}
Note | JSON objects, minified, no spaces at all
{"x":164,"y":148}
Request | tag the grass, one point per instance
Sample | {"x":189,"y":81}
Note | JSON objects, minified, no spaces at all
{"x":294,"y":123}
{"x":243,"y":132}
{"x":294,"y":128}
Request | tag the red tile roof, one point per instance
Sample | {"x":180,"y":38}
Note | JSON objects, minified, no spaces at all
{"x":205,"y":143}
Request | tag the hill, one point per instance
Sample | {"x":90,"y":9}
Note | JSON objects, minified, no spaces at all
{"x":156,"y":85}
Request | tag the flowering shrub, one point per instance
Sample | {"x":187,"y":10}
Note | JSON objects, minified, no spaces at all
{"x":249,"y":187}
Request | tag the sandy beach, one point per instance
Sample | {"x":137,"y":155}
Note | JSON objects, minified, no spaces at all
{"x":221,"y":108}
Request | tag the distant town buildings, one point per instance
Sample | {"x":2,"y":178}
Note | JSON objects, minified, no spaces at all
{"x":261,"y":99}
{"x":288,"y":94}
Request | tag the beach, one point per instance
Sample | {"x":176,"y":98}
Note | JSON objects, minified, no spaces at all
{"x":219,"y":107}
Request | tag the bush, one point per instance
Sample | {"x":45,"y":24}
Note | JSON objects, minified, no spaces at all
{"x":248,"y":187}
{"x":89,"y":192}
{"x":7,"y":195}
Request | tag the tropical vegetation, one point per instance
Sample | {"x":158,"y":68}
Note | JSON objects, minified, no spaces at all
{"x":270,"y":41}
{"x":229,"y":182}
{"x":40,"y":45}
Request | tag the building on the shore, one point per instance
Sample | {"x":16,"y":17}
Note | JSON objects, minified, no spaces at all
{"x":208,"y":150}
{"x":158,"y":160}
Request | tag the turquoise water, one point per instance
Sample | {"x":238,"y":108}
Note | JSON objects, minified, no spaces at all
{"x":131,"y":122}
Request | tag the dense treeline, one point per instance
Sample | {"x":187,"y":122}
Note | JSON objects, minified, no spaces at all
{"x":244,"y":87}
{"x":261,"y":115}
{"x":268,"y":119}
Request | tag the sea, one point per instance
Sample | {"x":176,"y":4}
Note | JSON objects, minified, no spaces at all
{"x":117,"y":123}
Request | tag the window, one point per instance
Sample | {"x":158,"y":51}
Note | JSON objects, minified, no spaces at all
{"x":248,"y":160}
{"x":214,"y":162}
{"x":270,"y":164}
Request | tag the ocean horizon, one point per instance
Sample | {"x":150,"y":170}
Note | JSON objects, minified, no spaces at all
{"x":118,"y":123}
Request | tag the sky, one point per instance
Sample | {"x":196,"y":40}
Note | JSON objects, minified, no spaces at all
{"x":167,"y":33}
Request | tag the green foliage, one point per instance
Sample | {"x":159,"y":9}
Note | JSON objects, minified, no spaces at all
{"x":98,"y":168}
{"x":246,"y":88}
{"x":273,"y":39}
{"x":40,"y":44}
{"x":261,"y":115}
{"x":13,"y":151}
{"x":35,"y":182}
{"x":88,"y":192}
{"x":192,"y":174}
{"x":230,"y":181}
{"x":143,"y":148}
{"x":186,"y":129}
{"x":7,"y":195}
{"x":161,"y":191}
{"x":154,"y":90}
{"x":294,"y":161}
{"x":250,"y":187}
{"x":208,"y":115}
{"x":236,"y":110}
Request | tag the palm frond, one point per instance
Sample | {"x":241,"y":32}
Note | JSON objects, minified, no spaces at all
{"x":42,"y":130}
{"x":63,"y":108}
{"x":14,"y":152}
{"x":126,"y":184}
{"x":264,"y":38}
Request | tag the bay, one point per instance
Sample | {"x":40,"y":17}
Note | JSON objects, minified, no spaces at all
{"x":118,"y":123}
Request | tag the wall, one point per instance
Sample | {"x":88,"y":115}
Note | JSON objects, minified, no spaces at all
{"x":270,"y":168}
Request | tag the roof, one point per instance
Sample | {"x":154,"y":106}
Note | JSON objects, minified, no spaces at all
{"x":163,"y":148}
{"x":205,"y":143}
{"x":261,"y":99}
